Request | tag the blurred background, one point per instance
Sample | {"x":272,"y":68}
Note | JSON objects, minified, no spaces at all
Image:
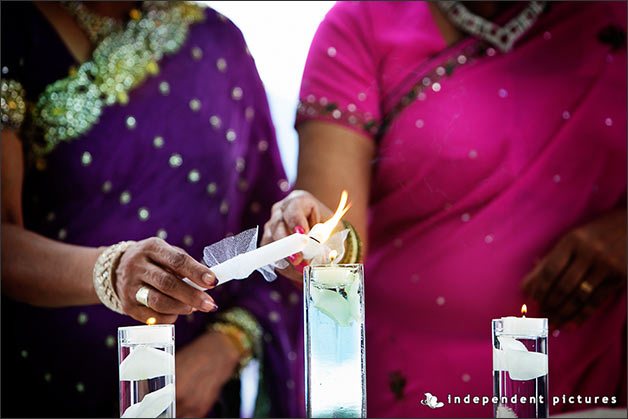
{"x":278,"y":35}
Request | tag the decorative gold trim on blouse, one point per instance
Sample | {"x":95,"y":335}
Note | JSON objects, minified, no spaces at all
{"x":69,"y":107}
{"x":13,"y":105}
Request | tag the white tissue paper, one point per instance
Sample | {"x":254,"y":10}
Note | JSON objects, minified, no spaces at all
{"x":153,"y":404}
{"x":515,"y":358}
{"x":145,"y":362}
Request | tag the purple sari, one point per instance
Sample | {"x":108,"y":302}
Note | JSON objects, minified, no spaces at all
{"x":191,"y":158}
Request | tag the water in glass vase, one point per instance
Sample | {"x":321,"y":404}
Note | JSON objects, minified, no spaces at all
{"x":334,"y":322}
{"x":520,"y":379}
{"x":147,"y":388}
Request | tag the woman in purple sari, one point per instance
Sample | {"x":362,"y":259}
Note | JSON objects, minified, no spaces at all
{"x":121,"y":124}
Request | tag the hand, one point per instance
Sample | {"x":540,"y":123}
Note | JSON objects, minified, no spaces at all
{"x":297,"y":212}
{"x":156,"y":264}
{"x":202,"y":368}
{"x":585,"y":268}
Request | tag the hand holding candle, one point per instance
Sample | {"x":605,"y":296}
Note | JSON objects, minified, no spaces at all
{"x":156,"y":265}
{"x":242,"y":265}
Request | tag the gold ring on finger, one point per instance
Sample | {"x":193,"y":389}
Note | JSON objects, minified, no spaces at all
{"x":586,"y":287}
{"x":142,"y":295}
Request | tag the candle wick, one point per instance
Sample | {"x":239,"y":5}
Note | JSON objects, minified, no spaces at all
{"x":314,"y":239}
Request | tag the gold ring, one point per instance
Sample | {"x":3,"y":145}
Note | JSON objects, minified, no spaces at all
{"x":586,"y":287}
{"x":142,"y":295}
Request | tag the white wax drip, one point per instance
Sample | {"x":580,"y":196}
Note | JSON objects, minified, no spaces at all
{"x":521,"y":364}
{"x":153,"y":404}
{"x":145,"y":362}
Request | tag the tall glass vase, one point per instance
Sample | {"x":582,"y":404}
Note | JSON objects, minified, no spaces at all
{"x":334,"y":341}
{"x":146,"y":369}
{"x":520,"y":368}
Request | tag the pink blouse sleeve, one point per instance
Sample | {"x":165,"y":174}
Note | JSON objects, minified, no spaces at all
{"x":340,"y":82}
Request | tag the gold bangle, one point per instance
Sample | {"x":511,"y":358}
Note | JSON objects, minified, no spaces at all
{"x":239,"y":339}
{"x":103,"y":273}
{"x":353,"y":246}
{"x":250,"y":339}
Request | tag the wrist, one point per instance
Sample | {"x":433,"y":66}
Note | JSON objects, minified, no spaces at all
{"x":228,"y":352}
{"x":242,"y":330}
{"x":104,"y":272}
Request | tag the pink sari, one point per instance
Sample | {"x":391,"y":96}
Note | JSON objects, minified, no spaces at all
{"x":488,"y":162}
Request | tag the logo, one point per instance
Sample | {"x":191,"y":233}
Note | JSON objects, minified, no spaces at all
{"x":432,"y":401}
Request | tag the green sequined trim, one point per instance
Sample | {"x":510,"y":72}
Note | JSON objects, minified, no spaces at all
{"x":69,"y":107}
{"x":13,"y":106}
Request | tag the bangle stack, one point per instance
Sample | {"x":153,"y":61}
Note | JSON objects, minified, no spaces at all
{"x":103,"y":274}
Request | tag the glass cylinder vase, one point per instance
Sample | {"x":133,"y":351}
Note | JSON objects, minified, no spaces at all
{"x":146,"y":371}
{"x":520,"y":368}
{"x":335,"y":372}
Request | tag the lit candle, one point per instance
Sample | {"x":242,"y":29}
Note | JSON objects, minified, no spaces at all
{"x":242,"y":265}
{"x":146,"y":358}
{"x":523,"y":326}
{"x":520,"y":366}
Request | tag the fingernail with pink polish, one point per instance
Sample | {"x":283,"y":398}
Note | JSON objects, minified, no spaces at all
{"x":299,"y":229}
{"x":292,"y":257}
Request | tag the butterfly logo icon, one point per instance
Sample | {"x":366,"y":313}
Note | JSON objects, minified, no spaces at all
{"x":432,"y":401}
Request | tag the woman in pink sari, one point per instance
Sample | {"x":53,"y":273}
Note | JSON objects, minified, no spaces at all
{"x":487,"y":169}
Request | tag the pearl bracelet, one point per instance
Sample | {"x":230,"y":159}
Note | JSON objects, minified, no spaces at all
{"x":103,"y":273}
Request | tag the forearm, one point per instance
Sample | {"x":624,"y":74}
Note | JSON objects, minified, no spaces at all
{"x":333,"y":158}
{"x":44,"y":272}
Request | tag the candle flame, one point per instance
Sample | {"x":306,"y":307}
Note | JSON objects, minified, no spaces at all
{"x":524,"y":310}
{"x":333,"y":255}
{"x":329,"y":225}
{"x":151,"y":321}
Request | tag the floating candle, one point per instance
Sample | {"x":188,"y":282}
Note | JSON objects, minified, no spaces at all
{"x":146,"y":370}
{"x":520,"y":366}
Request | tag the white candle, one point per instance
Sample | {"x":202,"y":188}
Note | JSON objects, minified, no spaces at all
{"x":513,"y":356}
{"x":243,"y":265}
{"x":149,"y":334}
{"x":523,"y":326}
